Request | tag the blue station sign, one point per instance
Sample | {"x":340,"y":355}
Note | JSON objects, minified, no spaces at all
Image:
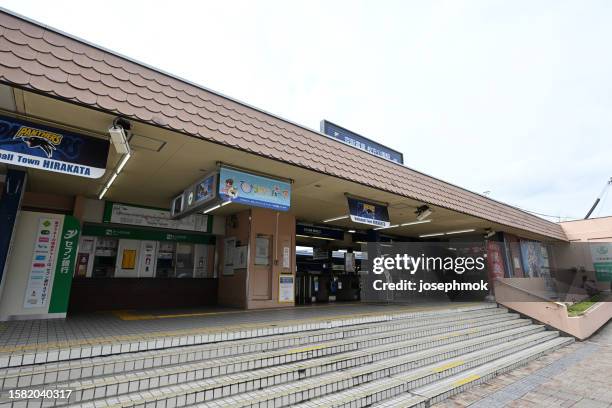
{"x":344,"y":135}
{"x":251,"y":189}
{"x":365,"y":212}
{"x":28,"y":144}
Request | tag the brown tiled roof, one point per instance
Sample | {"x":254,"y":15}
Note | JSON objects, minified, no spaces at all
{"x":38,"y":58}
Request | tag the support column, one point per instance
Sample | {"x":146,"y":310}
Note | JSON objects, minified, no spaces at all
{"x":10,"y":203}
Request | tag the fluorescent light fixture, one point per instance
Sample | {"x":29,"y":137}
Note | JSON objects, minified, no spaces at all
{"x":437,"y":234}
{"x":214,"y":207}
{"x":351,"y":231}
{"x":104,"y":190}
{"x":111,"y":180}
{"x":309,"y":236}
{"x":211,"y":209}
{"x":123,"y":161}
{"x":460,"y":231}
{"x":336,"y":218}
{"x":390,"y":226}
{"x":414,"y":223}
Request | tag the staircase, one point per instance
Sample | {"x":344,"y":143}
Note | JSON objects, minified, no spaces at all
{"x":397,"y":360}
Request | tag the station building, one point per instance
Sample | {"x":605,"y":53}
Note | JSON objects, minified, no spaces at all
{"x":195,"y":199}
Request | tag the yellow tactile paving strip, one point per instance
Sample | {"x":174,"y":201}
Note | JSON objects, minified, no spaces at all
{"x":145,"y":336}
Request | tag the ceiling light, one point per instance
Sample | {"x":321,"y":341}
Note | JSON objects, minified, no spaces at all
{"x":336,"y":218}
{"x":123,"y":161}
{"x":351,"y":231}
{"x":308,"y":236}
{"x":390,"y":226}
{"x":415,"y":222}
{"x":460,"y":231}
{"x":437,"y":234}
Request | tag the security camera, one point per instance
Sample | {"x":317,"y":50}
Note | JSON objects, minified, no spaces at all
{"x":489,"y":233}
{"x":118,"y":135}
{"x":423,"y":212}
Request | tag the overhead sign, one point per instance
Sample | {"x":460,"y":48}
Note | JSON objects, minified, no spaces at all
{"x":365,"y":212}
{"x":321,"y":232}
{"x":28,"y":144}
{"x":251,"y":189}
{"x":196,"y":196}
{"x":360,"y":142}
{"x":118,"y":213}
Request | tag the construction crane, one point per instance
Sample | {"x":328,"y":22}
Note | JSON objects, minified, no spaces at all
{"x":608,"y":184}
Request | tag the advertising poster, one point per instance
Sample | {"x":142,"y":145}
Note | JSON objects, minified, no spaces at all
{"x":250,"y":189}
{"x":28,"y":144}
{"x":285,"y":288}
{"x":495,"y":261}
{"x":43,"y":261}
{"x":601,"y":254}
{"x":365,"y":212}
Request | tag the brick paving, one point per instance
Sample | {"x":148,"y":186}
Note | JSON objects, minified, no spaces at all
{"x":577,"y":376}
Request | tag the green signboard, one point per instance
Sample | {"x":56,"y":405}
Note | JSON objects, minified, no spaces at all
{"x":601,"y":254}
{"x":64,"y":265}
{"x":147,"y":234}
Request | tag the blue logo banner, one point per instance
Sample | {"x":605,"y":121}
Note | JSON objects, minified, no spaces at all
{"x":365,"y":212}
{"x":29,"y":144}
{"x":250,"y":189}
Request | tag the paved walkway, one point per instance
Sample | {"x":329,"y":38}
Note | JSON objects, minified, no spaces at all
{"x":578,"y":376}
{"x":94,"y":328}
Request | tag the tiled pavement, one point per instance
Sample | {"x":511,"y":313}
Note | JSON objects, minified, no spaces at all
{"x":101,"y":326}
{"x":578,"y":376}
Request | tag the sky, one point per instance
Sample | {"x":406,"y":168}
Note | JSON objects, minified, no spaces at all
{"x":513,"y":98}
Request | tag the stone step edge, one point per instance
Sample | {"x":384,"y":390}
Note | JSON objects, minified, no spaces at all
{"x":13,"y":356}
{"x":460,"y":326}
{"x":500,"y":342}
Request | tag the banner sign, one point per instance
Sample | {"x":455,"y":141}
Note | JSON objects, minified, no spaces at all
{"x":43,"y":261}
{"x":344,"y":135}
{"x":250,"y":189}
{"x":365,"y":212}
{"x":64,"y":269}
{"x":601,"y":254}
{"x":321,"y":232}
{"x":196,"y":196}
{"x":28,"y":144}
{"x":146,"y":234}
{"x":118,"y":213}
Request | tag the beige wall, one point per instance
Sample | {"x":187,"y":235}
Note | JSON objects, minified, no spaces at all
{"x":594,"y":229}
{"x":232,"y":288}
{"x":257,"y":286}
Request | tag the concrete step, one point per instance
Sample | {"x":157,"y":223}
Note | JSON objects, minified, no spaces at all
{"x":401,"y":329}
{"x":440,"y":390}
{"x":327,"y":390}
{"x":85,"y":348}
{"x":375,"y":361}
{"x":408,"y":389}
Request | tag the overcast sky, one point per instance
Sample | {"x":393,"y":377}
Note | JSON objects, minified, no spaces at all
{"x":511,"y":97}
